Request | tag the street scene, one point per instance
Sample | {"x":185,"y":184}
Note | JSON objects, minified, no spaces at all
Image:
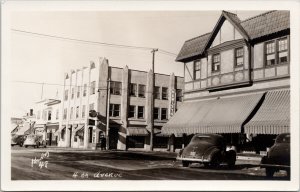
{"x":153,"y":95}
{"x":124,"y":165}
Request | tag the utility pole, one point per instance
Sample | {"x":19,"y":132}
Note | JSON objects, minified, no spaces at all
{"x":152,"y":103}
{"x":107,"y":114}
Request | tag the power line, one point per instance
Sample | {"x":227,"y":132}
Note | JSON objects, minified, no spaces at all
{"x":93,"y":42}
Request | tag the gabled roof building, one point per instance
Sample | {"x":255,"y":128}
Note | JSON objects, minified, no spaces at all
{"x":237,"y":80}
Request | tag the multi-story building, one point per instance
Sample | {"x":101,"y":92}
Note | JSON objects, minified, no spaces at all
{"x":129,"y":100}
{"x":47,"y":120}
{"x":237,"y":80}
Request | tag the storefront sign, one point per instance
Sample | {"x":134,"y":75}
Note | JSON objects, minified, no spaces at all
{"x":173,"y":102}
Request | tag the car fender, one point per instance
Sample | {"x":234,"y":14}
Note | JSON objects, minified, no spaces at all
{"x":210,"y":152}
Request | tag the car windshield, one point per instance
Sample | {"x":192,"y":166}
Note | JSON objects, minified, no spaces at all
{"x":284,"y":138}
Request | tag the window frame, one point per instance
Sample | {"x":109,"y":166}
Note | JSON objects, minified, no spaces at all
{"x":158,"y":113}
{"x":214,"y":63}
{"x":66,"y":94}
{"x":130,"y":111}
{"x":179,"y":98}
{"x":131,"y":92}
{"x":277,"y":51}
{"x":141,"y":94}
{"x":83,"y":111}
{"x":77,"y":112}
{"x":165,"y":95}
{"x":161,"y":113}
{"x":65,"y":115}
{"x":236,"y":57}
{"x":72,"y":92}
{"x":281,"y":51}
{"x":143,"y":112}
{"x":84,"y":90}
{"x":112,"y":110}
{"x":93,"y":88}
{"x":157,"y":94}
{"x":197,"y":69}
{"x":116,"y":88}
{"x":78,"y":91}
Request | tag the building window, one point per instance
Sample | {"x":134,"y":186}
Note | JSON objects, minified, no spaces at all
{"x":65,"y":113}
{"x":93,"y":87}
{"x":283,"y":50}
{"x":179,"y":95}
{"x":133,"y":89}
{"x":270,"y":53}
{"x":216,"y":63}
{"x":72,"y":93}
{"x":164,"y":94}
{"x":71,"y":113}
{"x":66,"y":95}
{"x":115,"y":87}
{"x":44,"y":115}
{"x":141,"y":112}
{"x":156,"y":113}
{"x":84,"y":89}
{"x":38,"y":114}
{"x":156,"y":92}
{"x":77,"y":112}
{"x":239,"y":56}
{"x":197,"y":67}
{"x":114,"y":110}
{"x":142,"y":89}
{"x":57,"y":114}
{"x":83,"y":111}
{"x":164,"y":114}
{"x":91,"y":106}
{"x":49,"y":115}
{"x":131,"y":112}
{"x":78,"y":91}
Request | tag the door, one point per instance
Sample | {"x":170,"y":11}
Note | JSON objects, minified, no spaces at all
{"x":113,"y":138}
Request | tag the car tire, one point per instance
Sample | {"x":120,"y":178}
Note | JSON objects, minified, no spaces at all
{"x":270,"y":172}
{"x":25,"y":146}
{"x":21,"y":144}
{"x":215,"y":161}
{"x":185,"y":163}
{"x":231,"y":158}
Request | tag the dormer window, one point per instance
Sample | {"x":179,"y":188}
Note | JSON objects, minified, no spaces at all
{"x":277,"y":51}
{"x":283,"y":50}
{"x":270,"y":53}
{"x":216,"y":61}
{"x":239,"y":57}
{"x":197,"y":67}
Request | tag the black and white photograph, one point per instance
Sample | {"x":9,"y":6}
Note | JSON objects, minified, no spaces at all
{"x":142,"y":96}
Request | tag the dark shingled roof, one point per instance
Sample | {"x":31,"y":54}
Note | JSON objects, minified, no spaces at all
{"x":193,"y":47}
{"x":258,"y":26}
{"x":267,"y":23}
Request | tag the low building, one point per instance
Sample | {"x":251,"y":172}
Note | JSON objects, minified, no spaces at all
{"x":237,"y":81}
{"x":47,"y":120}
{"x":129,"y":101}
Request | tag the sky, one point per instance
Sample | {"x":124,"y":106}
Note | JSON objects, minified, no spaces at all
{"x":39,"y":59}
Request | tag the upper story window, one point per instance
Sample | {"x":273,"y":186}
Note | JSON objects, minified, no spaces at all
{"x":178,"y":94}
{"x":72,"y":93}
{"x":142,"y":89}
{"x":93,"y":87}
{"x":156,"y":113}
{"x":216,"y":61}
{"x":49,"y":115}
{"x":197,"y":67}
{"x":131,"y":112}
{"x":71,"y":113}
{"x":66,"y":95}
{"x":270,"y":53}
{"x":115,"y":88}
{"x":277,"y":51}
{"x":133,"y":90}
{"x":141,"y":112}
{"x":164,"y":93}
{"x":65,"y":113}
{"x":78,"y":91}
{"x":77,"y":112}
{"x":164,"y":113}
{"x":283,"y":50}
{"x":83,"y":111}
{"x":239,"y":57}
{"x":114,"y":110}
{"x":57,"y":114}
{"x":84,"y":89}
{"x":156,"y":92}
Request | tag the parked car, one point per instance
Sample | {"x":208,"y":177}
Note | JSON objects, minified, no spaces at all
{"x":208,"y":149}
{"x":17,"y":140}
{"x":34,"y":141}
{"x":278,"y":156}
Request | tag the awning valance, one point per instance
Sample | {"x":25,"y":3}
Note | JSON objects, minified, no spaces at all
{"x":223,"y":115}
{"x":137,"y":131}
{"x":273,"y":116}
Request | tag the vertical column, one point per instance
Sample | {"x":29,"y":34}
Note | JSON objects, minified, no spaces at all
{"x":124,"y":110}
{"x":86,"y":125}
{"x":149,"y":108}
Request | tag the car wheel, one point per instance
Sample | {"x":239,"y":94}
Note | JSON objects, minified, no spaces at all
{"x":21,"y":144}
{"x":215,"y":161}
{"x":185,"y":163}
{"x":270,"y":172}
{"x":25,"y":146}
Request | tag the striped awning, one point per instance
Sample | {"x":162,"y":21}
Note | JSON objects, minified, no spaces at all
{"x":273,"y":117}
{"x":223,"y":115}
{"x":137,"y":131}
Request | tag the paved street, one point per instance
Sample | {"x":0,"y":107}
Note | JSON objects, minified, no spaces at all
{"x":68,"y":164}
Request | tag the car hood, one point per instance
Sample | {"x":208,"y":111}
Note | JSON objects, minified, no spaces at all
{"x":199,"y":148}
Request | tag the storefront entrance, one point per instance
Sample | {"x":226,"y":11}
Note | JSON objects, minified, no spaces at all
{"x":113,"y":137}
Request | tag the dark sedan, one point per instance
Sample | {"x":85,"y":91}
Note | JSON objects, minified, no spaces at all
{"x":278,"y":157}
{"x":209,"y":149}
